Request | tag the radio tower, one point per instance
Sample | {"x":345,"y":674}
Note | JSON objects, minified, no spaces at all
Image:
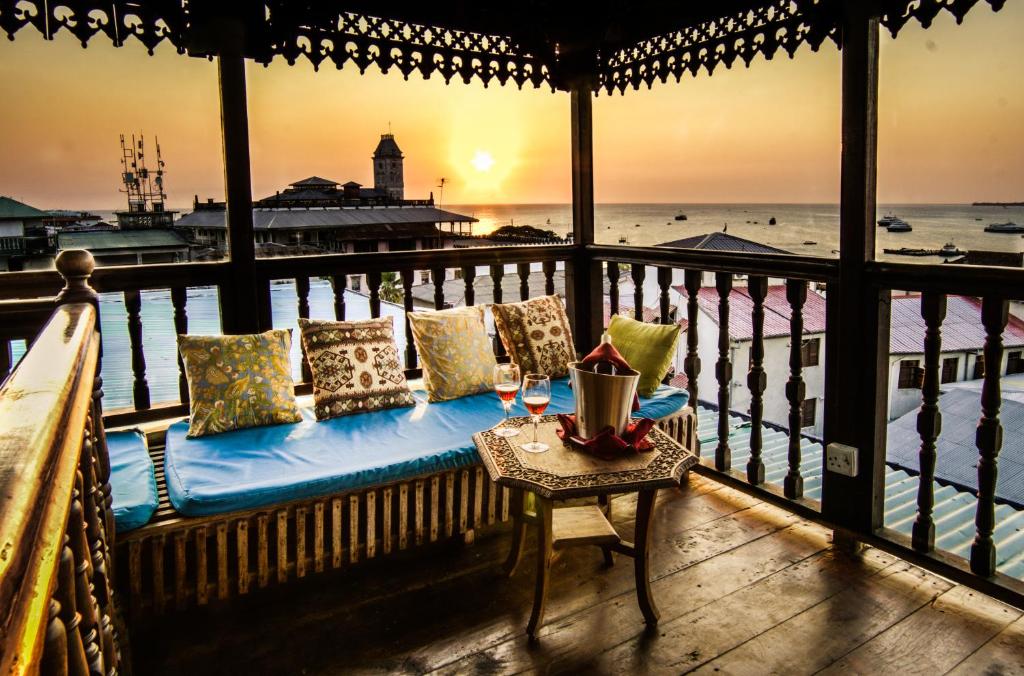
{"x":144,"y":187}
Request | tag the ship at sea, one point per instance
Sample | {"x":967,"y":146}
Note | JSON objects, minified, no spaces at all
{"x":1006,"y":228}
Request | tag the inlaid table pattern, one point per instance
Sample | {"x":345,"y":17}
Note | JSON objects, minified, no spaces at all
{"x":562,"y":473}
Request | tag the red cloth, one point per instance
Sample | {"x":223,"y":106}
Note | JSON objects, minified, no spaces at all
{"x":607,"y":445}
{"x":606,"y":352}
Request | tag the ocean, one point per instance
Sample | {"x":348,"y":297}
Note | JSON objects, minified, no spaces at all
{"x":934,"y":226}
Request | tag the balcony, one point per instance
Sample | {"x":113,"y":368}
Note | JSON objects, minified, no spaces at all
{"x":762,"y":560}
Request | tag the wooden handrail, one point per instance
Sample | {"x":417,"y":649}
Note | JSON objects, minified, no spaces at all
{"x":53,"y":487}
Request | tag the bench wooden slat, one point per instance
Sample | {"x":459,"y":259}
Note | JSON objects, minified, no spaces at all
{"x":262,"y":551}
{"x":242,"y":529}
{"x":386,"y":526}
{"x":318,"y":537}
{"x":202,"y":591}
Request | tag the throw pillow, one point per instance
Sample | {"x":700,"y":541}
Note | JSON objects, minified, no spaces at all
{"x":536,"y":335}
{"x":649,"y":349}
{"x":355,"y":366}
{"x":238,"y":381}
{"x":455,"y":352}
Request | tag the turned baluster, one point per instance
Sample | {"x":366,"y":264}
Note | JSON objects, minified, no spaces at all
{"x":796,"y":294}
{"x":55,"y":644}
{"x":91,"y":500}
{"x":373,"y":281}
{"x":989,"y":436}
{"x":691,"y":365}
{"x":497,"y":274}
{"x":66,"y":596}
{"x":613,"y":289}
{"x":929,"y":419}
{"x":756,"y":380}
{"x":85,"y":602}
{"x":438,"y":275}
{"x":302,"y":292}
{"x":638,"y":271}
{"x":339,"y":283}
{"x":140,"y":388}
{"x":549,"y":268}
{"x":101,"y":467}
{"x":723,"y":372}
{"x":408,"y":277}
{"x":523,"y":270}
{"x":469,"y":279}
{"x":179,"y":296}
{"x":664,"y":284}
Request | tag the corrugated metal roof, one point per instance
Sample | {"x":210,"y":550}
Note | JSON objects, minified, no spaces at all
{"x":12,"y":208}
{"x":961,"y":329}
{"x":105,"y":240}
{"x":297,"y":219}
{"x":776,"y":311}
{"x":314,"y":181}
{"x":953,"y":513}
{"x":721,"y":241}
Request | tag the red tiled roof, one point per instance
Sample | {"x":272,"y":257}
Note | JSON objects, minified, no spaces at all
{"x":776,"y":311}
{"x":961,"y":329}
{"x":651,"y":314}
{"x":679,"y":380}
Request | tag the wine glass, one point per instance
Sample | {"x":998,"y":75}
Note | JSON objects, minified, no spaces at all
{"x":506,"y":384}
{"x":536,"y":396}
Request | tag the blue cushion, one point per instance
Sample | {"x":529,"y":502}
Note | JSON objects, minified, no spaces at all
{"x":132,"y":480}
{"x":251,"y":468}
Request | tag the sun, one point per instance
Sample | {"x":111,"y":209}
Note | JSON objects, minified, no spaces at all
{"x":482,"y":161}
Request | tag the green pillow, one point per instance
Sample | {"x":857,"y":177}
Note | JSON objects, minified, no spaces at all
{"x":649,"y":349}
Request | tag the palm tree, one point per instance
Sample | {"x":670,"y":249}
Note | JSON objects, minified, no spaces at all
{"x":390,"y":288}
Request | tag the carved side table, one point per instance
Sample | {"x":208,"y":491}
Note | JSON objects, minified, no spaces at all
{"x":561,"y":473}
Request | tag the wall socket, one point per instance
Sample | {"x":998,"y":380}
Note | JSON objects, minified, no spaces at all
{"x":841,"y":459}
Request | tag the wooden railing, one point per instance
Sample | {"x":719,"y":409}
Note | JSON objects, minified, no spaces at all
{"x":519,"y":272}
{"x":59,"y":613}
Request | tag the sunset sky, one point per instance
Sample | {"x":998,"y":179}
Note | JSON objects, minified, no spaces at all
{"x":951,"y":126}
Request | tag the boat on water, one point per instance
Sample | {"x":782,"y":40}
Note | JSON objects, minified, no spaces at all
{"x":772,"y":221}
{"x":623,"y":240}
{"x":949,"y":249}
{"x":886,"y":221}
{"x":1008,"y":227}
{"x":898,"y":225}
{"x":681,"y":217}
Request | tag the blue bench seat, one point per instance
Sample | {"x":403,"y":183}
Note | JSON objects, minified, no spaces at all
{"x":257,"y":467}
{"x":132,"y":480}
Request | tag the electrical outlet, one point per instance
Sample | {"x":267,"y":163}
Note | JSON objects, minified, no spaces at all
{"x":841,"y":459}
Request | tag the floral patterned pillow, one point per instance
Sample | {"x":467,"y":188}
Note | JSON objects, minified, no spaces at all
{"x":238,"y":381}
{"x":455,"y":352}
{"x":355,"y":366}
{"x":536,"y":335}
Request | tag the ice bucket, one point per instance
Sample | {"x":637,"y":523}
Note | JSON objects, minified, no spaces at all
{"x":602,"y":400}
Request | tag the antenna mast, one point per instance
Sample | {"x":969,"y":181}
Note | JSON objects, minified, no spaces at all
{"x":145,"y":187}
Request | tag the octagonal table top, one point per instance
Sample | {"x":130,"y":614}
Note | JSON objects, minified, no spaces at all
{"x":563,"y":472}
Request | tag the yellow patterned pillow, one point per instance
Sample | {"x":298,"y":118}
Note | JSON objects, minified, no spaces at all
{"x":238,"y":381}
{"x":455,"y":352}
{"x":536,"y":335}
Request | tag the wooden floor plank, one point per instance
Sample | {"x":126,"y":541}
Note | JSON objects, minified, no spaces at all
{"x":819,"y":636}
{"x":964,"y":619}
{"x":1003,"y":654}
{"x":705,"y":633}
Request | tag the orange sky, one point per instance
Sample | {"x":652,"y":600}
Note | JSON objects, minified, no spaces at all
{"x":951,"y":126}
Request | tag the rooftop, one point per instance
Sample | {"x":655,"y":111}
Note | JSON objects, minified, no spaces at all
{"x":314,"y":182}
{"x":777,"y":312}
{"x":296,"y":219}
{"x":962,"y":330}
{"x":105,"y":240}
{"x":721,"y":241}
{"x":12,"y":208}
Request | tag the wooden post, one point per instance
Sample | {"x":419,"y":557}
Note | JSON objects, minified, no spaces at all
{"x":856,"y":385}
{"x":239,"y":298}
{"x":583,"y":283}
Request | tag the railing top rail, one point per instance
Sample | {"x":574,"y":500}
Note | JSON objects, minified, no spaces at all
{"x":36,"y":284}
{"x":42,"y":404}
{"x":769,"y":265}
{"x":356,"y":263}
{"x":968,"y":280}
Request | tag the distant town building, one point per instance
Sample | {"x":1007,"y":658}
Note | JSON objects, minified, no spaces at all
{"x":128,"y":247}
{"x":23,"y":233}
{"x":388,"y":175}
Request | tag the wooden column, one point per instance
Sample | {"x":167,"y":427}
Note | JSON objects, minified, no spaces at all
{"x":240,"y":300}
{"x":723,"y":372}
{"x":691,"y":365}
{"x":756,"y":379}
{"x":856,"y":373}
{"x":583,"y":283}
{"x":929,"y":419}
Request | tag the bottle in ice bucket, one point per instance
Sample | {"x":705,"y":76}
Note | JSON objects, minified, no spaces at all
{"x":603,"y":389}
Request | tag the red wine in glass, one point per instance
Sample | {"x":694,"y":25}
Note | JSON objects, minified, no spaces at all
{"x":506,"y":384}
{"x":536,"y":405}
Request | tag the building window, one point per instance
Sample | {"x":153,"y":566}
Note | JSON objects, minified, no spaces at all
{"x":355,"y":282}
{"x":366,"y":246}
{"x":910,"y":374}
{"x":979,"y":367}
{"x":808,"y":412}
{"x":1014,"y":363}
{"x":425,"y":276}
{"x":949,"y":367}
{"x":809,"y":350}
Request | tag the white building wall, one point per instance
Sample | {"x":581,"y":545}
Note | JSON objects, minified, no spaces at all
{"x":12,"y":228}
{"x":904,"y":400}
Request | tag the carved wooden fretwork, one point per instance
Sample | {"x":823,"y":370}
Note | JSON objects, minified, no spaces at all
{"x":527,"y":50}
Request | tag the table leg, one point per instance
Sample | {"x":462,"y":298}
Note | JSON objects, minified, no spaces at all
{"x":644,"y":518}
{"x":515,"y":555}
{"x":540,"y":592}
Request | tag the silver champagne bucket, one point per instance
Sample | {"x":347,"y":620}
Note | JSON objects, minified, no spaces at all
{"x":602,"y":400}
